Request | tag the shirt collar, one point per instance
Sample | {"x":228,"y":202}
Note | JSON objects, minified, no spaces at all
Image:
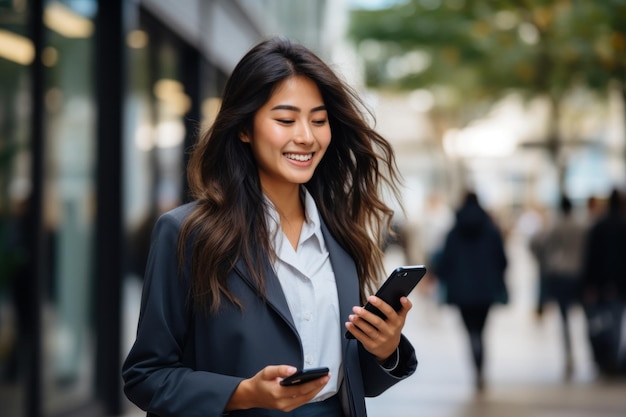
{"x":312,"y":225}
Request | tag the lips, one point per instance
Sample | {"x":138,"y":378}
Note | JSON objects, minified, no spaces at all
{"x":299,"y":157}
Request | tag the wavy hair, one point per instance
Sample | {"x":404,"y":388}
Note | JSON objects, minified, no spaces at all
{"x":229,"y":222}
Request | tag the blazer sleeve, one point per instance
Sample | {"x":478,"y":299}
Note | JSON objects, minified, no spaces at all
{"x":155,"y":377}
{"x":376,"y":379}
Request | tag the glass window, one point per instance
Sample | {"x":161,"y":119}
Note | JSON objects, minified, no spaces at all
{"x":69,"y":208}
{"x":157,"y":103}
{"x":16,"y":53}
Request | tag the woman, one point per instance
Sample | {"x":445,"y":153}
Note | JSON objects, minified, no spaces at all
{"x":253,"y":279}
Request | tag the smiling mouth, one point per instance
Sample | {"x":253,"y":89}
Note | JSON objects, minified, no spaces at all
{"x":299,"y":157}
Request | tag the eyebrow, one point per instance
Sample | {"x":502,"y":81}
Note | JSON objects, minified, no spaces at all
{"x":297,"y":109}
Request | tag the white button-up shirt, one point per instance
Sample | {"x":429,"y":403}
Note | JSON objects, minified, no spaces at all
{"x":308,"y":281}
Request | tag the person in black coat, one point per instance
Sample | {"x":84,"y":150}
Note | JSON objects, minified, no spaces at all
{"x":604,"y":287}
{"x":604,"y":274}
{"x":471,"y":270}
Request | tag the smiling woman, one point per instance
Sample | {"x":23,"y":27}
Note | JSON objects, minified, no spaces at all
{"x":252,"y":281}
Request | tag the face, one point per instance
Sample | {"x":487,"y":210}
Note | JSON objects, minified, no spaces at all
{"x":290,"y":134}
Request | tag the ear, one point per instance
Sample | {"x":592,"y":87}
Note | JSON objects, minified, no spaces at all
{"x":243,"y":136}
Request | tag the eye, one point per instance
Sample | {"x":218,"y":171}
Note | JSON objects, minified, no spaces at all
{"x":320,"y":122}
{"x":285,"y":121}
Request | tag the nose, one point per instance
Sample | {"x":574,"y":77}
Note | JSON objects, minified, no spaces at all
{"x":304,"y":134}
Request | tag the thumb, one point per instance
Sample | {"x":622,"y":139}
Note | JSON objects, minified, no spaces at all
{"x":278,"y":371}
{"x":286,"y":370}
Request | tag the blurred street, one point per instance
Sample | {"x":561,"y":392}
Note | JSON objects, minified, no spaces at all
{"x":524,"y":363}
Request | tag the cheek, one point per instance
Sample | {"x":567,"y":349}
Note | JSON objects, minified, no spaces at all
{"x":325,"y":138}
{"x":275,"y":136}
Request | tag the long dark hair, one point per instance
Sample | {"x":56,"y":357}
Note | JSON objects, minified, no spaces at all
{"x":229,"y":222}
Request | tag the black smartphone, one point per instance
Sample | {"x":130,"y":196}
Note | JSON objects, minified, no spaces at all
{"x":303,"y":376}
{"x":399,"y":284}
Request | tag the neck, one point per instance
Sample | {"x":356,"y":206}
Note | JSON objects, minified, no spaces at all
{"x":287,"y":202}
{"x":291,"y":211}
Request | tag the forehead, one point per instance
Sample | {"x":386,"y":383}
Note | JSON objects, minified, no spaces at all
{"x":297,"y":86}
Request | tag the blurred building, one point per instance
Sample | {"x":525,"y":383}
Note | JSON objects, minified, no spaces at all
{"x":99,"y":101}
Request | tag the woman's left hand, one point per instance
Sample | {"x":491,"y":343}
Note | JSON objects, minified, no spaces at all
{"x":379,"y":337}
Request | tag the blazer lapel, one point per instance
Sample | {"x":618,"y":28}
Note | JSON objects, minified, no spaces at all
{"x":346,"y":280}
{"x":273,"y":291}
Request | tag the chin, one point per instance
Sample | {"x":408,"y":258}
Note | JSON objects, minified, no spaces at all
{"x":301,"y":179}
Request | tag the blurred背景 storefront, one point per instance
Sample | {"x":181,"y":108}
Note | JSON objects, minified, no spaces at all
{"x":99,"y":101}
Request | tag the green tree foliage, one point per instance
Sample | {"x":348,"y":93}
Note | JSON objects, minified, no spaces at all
{"x":483,"y":50}
{"x":489,"y":47}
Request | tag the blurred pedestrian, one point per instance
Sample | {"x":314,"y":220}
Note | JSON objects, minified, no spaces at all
{"x":257,"y":277}
{"x":595,"y":208}
{"x":604,"y":287}
{"x":604,"y":277}
{"x":535,"y":245}
{"x":471,"y":268}
{"x":560,"y":252}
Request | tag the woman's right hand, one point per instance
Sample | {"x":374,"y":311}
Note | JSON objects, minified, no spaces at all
{"x":263,"y":390}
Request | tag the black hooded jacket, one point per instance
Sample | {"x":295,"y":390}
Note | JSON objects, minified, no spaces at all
{"x":473,"y":261}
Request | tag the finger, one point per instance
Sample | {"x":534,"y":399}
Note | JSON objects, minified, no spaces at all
{"x":384,"y":308}
{"x":362,"y":325}
{"x":363,"y":317}
{"x":356,"y":331}
{"x":406,"y":306}
{"x":303,"y":393}
{"x":309,"y":390}
{"x":368,"y":335}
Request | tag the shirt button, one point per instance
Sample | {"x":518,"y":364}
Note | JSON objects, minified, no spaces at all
{"x":308,"y":316}
{"x":308,"y":359}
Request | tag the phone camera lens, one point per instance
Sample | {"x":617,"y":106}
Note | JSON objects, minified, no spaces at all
{"x":405,"y":274}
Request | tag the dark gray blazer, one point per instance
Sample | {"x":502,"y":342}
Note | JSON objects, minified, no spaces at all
{"x":188,"y":365}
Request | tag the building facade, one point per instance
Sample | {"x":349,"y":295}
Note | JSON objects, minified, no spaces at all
{"x":99,"y":102}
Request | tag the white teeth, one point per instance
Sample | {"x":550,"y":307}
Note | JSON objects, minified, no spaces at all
{"x":298,"y":157}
